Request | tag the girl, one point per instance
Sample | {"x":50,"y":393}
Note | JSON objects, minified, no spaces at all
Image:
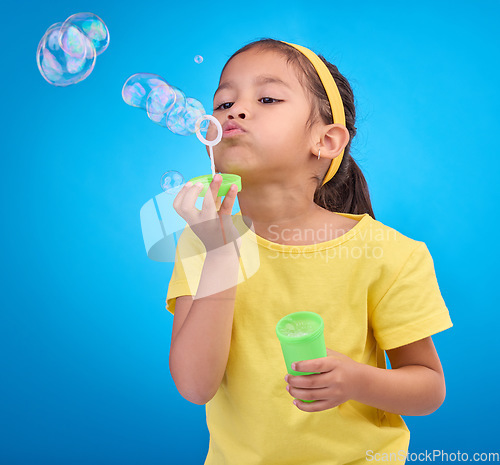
{"x":288,"y":117}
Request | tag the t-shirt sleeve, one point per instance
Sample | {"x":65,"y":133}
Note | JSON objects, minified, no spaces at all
{"x":189,"y":258}
{"x":413,"y":307}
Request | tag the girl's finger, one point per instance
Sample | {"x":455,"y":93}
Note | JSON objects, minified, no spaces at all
{"x":190,"y":197}
{"x":227,"y":205}
{"x":317,"y":406}
{"x":211,"y":194}
{"x":180,"y":195}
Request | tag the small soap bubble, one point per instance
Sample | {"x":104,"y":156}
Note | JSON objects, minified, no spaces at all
{"x":91,"y":25}
{"x":59,"y":68}
{"x":198,"y":59}
{"x":171,"y":182}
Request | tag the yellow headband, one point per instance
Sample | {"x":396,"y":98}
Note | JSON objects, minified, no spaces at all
{"x":333,"y":96}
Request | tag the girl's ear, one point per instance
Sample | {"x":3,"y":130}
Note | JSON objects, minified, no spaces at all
{"x":333,"y":140}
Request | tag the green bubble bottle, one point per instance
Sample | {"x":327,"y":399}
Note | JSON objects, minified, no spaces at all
{"x":301,"y":337}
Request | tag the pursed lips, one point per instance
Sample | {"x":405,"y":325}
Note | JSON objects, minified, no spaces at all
{"x":233,"y":132}
{"x":232,"y":129}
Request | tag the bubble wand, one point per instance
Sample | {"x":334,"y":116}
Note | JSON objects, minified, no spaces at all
{"x":227,"y":178}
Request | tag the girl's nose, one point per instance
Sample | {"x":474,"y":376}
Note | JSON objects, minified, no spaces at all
{"x":238,"y":110}
{"x":241,"y":115}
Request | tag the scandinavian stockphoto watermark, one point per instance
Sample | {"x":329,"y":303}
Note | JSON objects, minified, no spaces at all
{"x":368,"y":246}
{"x":435,"y":455}
{"x":326,"y":233}
{"x":332,"y":253}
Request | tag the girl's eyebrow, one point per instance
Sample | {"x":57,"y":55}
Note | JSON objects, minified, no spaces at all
{"x":262,"y":79}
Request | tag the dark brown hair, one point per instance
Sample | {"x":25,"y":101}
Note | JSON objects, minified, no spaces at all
{"x":347,"y":191}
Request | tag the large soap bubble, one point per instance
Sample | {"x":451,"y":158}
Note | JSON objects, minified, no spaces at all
{"x":67,"y":52}
{"x":59,"y":68}
{"x":91,"y":25}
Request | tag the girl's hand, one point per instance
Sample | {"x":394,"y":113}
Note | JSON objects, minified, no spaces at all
{"x":213,"y":224}
{"x":336,"y":382}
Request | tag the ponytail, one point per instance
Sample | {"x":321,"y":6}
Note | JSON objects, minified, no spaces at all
{"x":347,"y":191}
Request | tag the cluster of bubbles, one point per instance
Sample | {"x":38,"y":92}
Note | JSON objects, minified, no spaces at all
{"x":67,"y":52}
{"x":165,"y":104}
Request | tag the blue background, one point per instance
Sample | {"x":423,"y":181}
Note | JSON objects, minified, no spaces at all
{"x":85,"y":335}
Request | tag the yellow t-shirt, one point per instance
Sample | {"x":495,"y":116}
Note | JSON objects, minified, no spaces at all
{"x":375,"y":289}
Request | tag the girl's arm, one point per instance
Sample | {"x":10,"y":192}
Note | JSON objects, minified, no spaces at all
{"x":201,"y":334}
{"x":414,"y":386}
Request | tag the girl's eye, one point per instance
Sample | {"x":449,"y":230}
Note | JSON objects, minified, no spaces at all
{"x":227,"y":103}
{"x":269,"y":98}
{"x":222,"y":106}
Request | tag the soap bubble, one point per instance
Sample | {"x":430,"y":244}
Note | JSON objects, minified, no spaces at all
{"x":91,"y":25}
{"x":59,"y":68}
{"x":161,"y":100}
{"x":198,"y":59}
{"x":173,"y":116}
{"x":67,"y":52}
{"x":181,"y":120}
{"x":73,"y":41}
{"x":171,"y":182}
{"x":175,"y":121}
{"x":137,"y":88}
{"x":194,"y":111}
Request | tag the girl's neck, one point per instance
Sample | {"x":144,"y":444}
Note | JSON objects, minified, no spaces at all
{"x":286,"y":222}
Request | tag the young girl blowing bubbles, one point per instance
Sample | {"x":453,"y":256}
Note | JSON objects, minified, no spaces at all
{"x":288,"y":117}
